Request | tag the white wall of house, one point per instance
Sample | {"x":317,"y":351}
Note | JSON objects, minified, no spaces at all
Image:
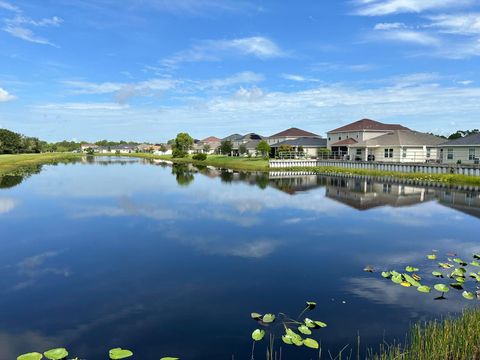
{"x":333,"y":137}
{"x":454,"y":154}
{"x":405,"y":154}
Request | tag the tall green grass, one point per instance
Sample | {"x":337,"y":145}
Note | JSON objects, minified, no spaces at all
{"x":448,"y":339}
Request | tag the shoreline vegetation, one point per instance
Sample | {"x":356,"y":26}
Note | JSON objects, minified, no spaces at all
{"x":12,"y":163}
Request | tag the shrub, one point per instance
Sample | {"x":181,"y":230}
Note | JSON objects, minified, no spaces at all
{"x":200,"y":157}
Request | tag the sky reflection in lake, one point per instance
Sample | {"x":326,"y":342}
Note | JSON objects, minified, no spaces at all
{"x":173,"y":260}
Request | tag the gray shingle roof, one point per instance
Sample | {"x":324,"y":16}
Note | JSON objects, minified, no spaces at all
{"x":466,"y":141}
{"x":402,"y":138}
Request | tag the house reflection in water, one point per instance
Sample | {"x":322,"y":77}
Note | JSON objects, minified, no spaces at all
{"x":466,"y":202}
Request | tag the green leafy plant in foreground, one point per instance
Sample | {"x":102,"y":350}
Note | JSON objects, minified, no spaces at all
{"x":296,"y":332}
{"x":62,"y":353}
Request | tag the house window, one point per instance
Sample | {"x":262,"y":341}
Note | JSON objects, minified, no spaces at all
{"x":450,"y":154}
{"x":429,"y":153}
{"x":339,"y":138}
{"x":387,"y":188}
{"x":388,"y":153}
{"x":329,"y":138}
{"x":359,"y":151}
{"x":404,"y":153}
{"x":471,"y":154}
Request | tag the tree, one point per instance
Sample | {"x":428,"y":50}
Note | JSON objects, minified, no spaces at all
{"x":183,"y":143}
{"x":10,"y":142}
{"x":226,"y":147}
{"x":263,"y":148}
{"x":163,"y":148}
{"x":207,"y":148}
{"x":462,"y":133}
{"x":242,"y":149}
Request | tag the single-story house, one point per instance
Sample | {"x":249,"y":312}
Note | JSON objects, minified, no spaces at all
{"x":290,"y":134}
{"x":250,"y":141}
{"x":84,"y":147}
{"x":212,"y":142}
{"x":397,"y":146}
{"x":465,"y":150}
{"x":310,"y":145}
{"x":339,"y":140}
{"x":119,"y":149}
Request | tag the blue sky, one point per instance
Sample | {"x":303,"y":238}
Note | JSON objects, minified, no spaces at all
{"x":146,"y":69}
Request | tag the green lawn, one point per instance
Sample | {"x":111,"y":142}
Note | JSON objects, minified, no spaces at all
{"x":10,"y":163}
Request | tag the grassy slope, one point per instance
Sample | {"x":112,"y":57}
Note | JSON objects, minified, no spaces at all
{"x":9,"y":163}
{"x":452,"y":339}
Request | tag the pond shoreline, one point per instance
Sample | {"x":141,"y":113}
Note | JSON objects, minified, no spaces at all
{"x":12,"y":163}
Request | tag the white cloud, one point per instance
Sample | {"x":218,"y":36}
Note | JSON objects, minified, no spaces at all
{"x":462,"y":24}
{"x":18,"y":27}
{"x":7,"y":205}
{"x":465,"y":82}
{"x":387,"y":7}
{"x":390,"y":26}
{"x":409,"y":36}
{"x":92,"y":106}
{"x":7,"y":6}
{"x":6,"y":96}
{"x":213,"y":50}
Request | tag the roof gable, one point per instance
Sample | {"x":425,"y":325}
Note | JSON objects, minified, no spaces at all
{"x":294,"y":132}
{"x":368,"y":124}
{"x":403,"y":138}
{"x":211,"y":139}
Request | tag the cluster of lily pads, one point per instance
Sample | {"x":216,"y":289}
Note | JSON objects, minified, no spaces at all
{"x":454,"y":269}
{"x":62,"y":354}
{"x":295,"y":332}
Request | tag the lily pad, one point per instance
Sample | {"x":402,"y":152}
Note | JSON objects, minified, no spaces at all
{"x":460,"y":261}
{"x":476,"y":256}
{"x":268,"y":318}
{"x":304,"y":330}
{"x":287,"y":339}
{"x":411,"y":269}
{"x":258,"y":334}
{"x":320,"y":324}
{"x":441,"y":288}
{"x":397,"y":279}
{"x":313,"y":344}
{"x":310,"y":323}
{"x":56,"y":354}
{"x":437,"y":274}
{"x":424,"y":289}
{"x":468,"y":295}
{"x":386,"y":274}
{"x":475,"y":263}
{"x":457,"y":286}
{"x":411,"y":280}
{"x":256,"y":316}
{"x":431,"y":257}
{"x":311,"y":305}
{"x":445,"y":265}
{"x":405,"y":283}
{"x":169,"y":358}
{"x":119,"y":353}
{"x":30,"y":356}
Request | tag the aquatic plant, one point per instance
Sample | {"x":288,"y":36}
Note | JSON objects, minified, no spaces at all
{"x":273,"y":325}
{"x":62,"y":353}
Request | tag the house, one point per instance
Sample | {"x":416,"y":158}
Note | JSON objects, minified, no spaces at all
{"x":249,"y":142}
{"x":212,"y":142}
{"x":232,"y":137}
{"x":122,"y":149}
{"x":290,"y":134}
{"x":465,"y":150}
{"x":310,"y":146}
{"x":162,"y":149}
{"x":84,"y":147}
{"x":341,"y":139}
{"x":397,"y":146}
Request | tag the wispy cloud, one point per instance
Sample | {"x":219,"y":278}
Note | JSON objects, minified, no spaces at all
{"x":409,"y":36}
{"x":214,"y":50}
{"x":8,"y":6}
{"x":92,"y":106}
{"x":298,"y":78}
{"x":462,"y":24}
{"x":20,"y":27}
{"x":6,"y":96}
{"x":387,"y":7}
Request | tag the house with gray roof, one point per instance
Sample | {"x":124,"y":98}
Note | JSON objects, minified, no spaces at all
{"x":404,"y":146}
{"x":464,"y":150}
{"x":290,"y":134}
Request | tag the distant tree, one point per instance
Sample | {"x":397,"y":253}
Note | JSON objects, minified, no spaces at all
{"x":207,"y":148}
{"x":163,"y":148}
{"x":226,"y":147}
{"x":171,"y":142}
{"x":183,"y":143}
{"x":263,"y":148}
{"x":242,"y":149}
{"x":462,"y":133}
{"x":10,"y":142}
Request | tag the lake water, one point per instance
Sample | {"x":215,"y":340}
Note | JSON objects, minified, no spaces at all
{"x":172,"y":261}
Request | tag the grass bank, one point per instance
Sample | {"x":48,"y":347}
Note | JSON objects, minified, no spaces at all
{"x":451,"y":338}
{"x":451,"y":179}
{"x":11,"y":163}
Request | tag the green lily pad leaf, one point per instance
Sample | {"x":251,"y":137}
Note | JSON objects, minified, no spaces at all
{"x":313,"y":344}
{"x":268,"y":318}
{"x":311,"y":305}
{"x":304,"y":330}
{"x":119,"y":353}
{"x":297,"y":341}
{"x":169,"y":358}
{"x":411,"y":269}
{"x":320,"y":324}
{"x":258,"y":334}
{"x":476,"y":256}
{"x":441,"y":288}
{"x":386,"y":274}
{"x":445,"y":265}
{"x":457,"y":286}
{"x":475,"y":263}
{"x":460,"y":280}
{"x":397,"y":279}
{"x":30,"y":356}
{"x":310,"y":323}
{"x":468,"y":295}
{"x":460,"y":261}
{"x":256,"y":316}
{"x":437,"y":274}
{"x":424,"y":289}
{"x":431,"y":257}
{"x":411,"y":280}
{"x":287,"y":339}
{"x":56,"y":354}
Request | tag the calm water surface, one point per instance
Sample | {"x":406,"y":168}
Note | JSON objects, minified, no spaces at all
{"x":171,"y":261}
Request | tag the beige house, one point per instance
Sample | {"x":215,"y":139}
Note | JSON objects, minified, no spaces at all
{"x":290,"y":134}
{"x":465,"y":150}
{"x":341,"y":139}
{"x":403,"y":146}
{"x":212,"y":142}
